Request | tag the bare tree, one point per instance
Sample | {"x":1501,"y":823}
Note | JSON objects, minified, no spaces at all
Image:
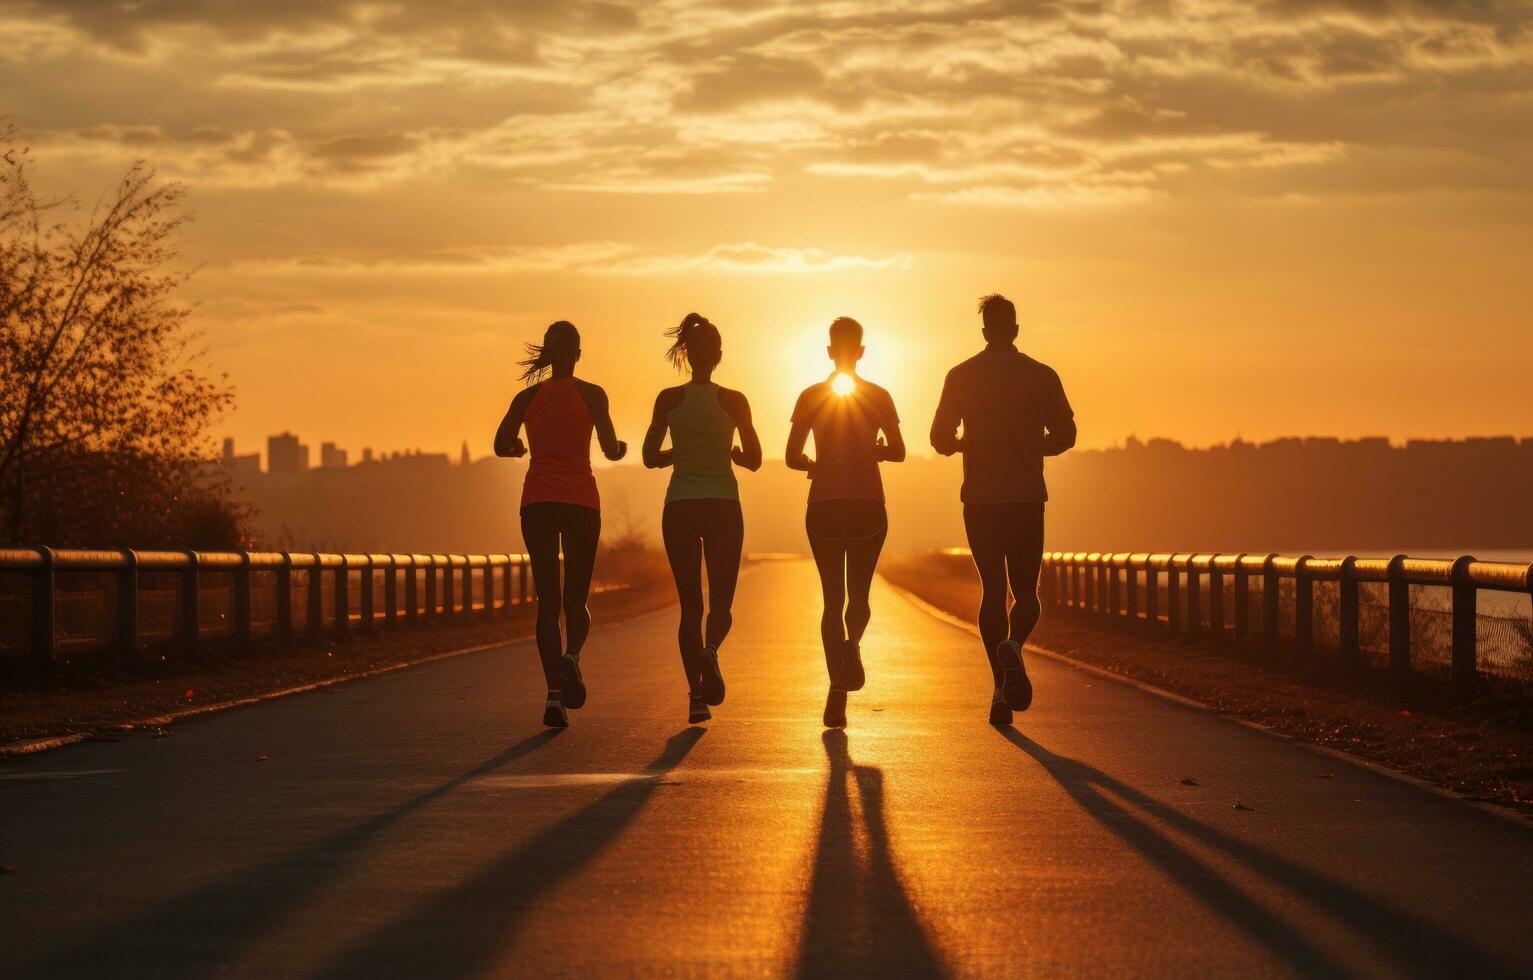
{"x":104,"y":408}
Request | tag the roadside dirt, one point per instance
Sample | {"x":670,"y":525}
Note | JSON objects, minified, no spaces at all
{"x":1478,"y":742}
{"x":95,"y":697}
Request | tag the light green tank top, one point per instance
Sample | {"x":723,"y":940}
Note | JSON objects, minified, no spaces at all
{"x":701,"y":436}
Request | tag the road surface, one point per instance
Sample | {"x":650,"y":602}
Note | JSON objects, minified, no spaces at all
{"x":424,"y":824}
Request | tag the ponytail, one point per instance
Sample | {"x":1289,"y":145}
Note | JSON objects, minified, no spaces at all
{"x":695,"y":342}
{"x":561,"y":341}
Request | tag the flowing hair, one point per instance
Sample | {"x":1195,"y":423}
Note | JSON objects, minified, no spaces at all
{"x":561,"y":341}
{"x":695,"y":342}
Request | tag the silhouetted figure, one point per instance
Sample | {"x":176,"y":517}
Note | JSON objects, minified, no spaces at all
{"x":560,"y":506}
{"x":846,"y":520}
{"x":1014,"y":412}
{"x":702,"y":518}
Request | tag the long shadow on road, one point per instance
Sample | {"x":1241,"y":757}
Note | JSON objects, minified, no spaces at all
{"x":860,"y":921}
{"x":195,"y":933}
{"x":1418,"y":947}
{"x":462,"y":932}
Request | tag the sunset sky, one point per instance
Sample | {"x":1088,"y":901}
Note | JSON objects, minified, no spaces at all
{"x":1216,"y":218}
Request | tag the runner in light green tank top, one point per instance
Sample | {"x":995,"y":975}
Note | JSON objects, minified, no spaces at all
{"x":702,"y":521}
{"x":702,"y":433}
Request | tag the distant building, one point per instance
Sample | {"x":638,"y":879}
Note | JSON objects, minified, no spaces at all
{"x":285,"y":455}
{"x":463,"y":459}
{"x":367,"y":454}
{"x":246,"y":466}
{"x":331,"y":457}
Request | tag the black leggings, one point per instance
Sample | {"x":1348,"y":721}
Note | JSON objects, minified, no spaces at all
{"x":544,"y":525}
{"x":694,"y":530}
{"x":846,"y":537}
{"x":1007,"y":543}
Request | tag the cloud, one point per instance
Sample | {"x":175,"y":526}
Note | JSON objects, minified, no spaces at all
{"x":944,"y":100}
{"x":751,"y":258}
{"x":1047,"y":197}
{"x":602,"y":258}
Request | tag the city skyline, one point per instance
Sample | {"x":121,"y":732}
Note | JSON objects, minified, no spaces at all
{"x":368,"y":454}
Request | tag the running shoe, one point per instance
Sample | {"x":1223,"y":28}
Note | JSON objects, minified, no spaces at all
{"x":571,"y":684}
{"x":853,"y":677}
{"x":835,"y":708}
{"x":712,"y":687}
{"x":554,"y":715}
{"x":1000,"y":711}
{"x":1017,"y":689}
{"x":697,"y":709}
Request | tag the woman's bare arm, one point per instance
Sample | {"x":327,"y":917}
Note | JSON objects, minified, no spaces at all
{"x":596,"y":400}
{"x":508,"y":440}
{"x":654,"y":457}
{"x":747,"y":455}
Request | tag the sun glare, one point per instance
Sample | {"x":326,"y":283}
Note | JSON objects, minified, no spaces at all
{"x":842,"y":384}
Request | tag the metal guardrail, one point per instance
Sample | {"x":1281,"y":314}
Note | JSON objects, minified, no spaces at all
{"x":438,"y":579}
{"x":1108,"y":585}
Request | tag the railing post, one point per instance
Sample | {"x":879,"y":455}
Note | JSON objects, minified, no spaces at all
{"x":366,"y":595}
{"x":244,"y":632}
{"x":487,"y":578}
{"x":506,"y":572}
{"x":1173,"y":596}
{"x":340,"y":581}
{"x":1215,"y":598}
{"x":1399,"y":617}
{"x":1465,"y":595}
{"x":191,"y":603}
{"x":1073,"y":582}
{"x":1131,"y":583}
{"x":1303,"y":608}
{"x":1114,"y":599}
{"x":391,"y":591}
{"x":285,"y":598}
{"x":1271,"y":587}
{"x":1242,"y":599}
{"x":412,"y":591}
{"x":430,"y":570}
{"x":1151,"y":593}
{"x":316,"y":598}
{"x":1089,"y":580}
{"x":1193,"y":624}
{"x":127,"y":606}
{"x":1347,"y":613}
{"x":524,"y":574}
{"x":449,"y":606}
{"x":1104,"y":565}
{"x":44,"y":615}
{"x":1046,"y":583}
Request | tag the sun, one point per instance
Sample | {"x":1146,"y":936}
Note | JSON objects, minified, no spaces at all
{"x":842,"y":384}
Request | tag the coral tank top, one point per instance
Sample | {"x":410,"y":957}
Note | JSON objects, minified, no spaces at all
{"x":559,"y":430}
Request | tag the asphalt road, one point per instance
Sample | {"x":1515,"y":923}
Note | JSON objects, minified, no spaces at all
{"x":424,"y":824}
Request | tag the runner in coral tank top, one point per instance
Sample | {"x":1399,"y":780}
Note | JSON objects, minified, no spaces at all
{"x":561,"y":510}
